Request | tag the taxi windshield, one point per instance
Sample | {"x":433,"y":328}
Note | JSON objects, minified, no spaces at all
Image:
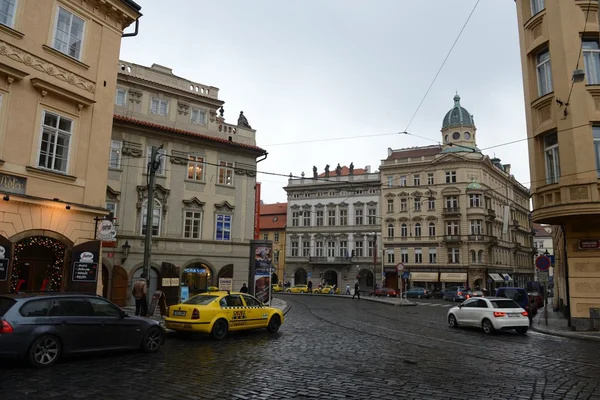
{"x":200,"y":300}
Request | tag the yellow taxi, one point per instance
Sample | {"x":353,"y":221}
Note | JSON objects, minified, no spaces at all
{"x":298,"y":289}
{"x":218,"y":313}
{"x":327,"y":289}
{"x":277,"y":287}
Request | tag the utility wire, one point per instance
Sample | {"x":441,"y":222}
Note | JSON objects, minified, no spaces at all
{"x":580,"y":50}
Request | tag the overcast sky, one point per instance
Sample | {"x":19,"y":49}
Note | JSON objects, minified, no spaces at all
{"x":308,"y":70}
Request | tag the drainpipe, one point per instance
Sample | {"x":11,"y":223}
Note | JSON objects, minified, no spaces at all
{"x":262,"y":159}
{"x":135,"y":33}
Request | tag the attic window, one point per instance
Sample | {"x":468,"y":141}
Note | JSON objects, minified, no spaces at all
{"x":275,"y":219}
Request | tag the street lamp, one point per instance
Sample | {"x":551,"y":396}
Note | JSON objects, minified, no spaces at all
{"x":125,"y":249}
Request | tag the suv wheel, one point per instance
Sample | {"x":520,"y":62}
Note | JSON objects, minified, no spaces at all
{"x":44,"y":351}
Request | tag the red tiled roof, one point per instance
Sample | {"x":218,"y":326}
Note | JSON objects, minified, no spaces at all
{"x":540,"y":231}
{"x":345,"y":171}
{"x":188,"y":133}
{"x":415,"y":152}
{"x":270,"y":212}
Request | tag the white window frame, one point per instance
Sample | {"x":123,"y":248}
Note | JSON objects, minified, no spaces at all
{"x":196,"y":112}
{"x":475,"y":200}
{"x":370,"y":248}
{"x":330,"y":248}
{"x":537,"y":6}
{"x":358,"y":248}
{"x":431,"y":204}
{"x":358,"y":216}
{"x":431,"y":229}
{"x":116,"y":147}
{"x":343,"y":217}
{"x":372,"y":216}
{"x":159,"y":105}
{"x":404,"y":256}
{"x":195,"y":163}
{"x":450,"y":176}
{"x":404,"y":230}
{"x":161,"y":153}
{"x":543,"y":69}
{"x":265,"y":236}
{"x":225,"y":218}
{"x":319,"y":248}
{"x":306,"y":248}
{"x":430,"y":179}
{"x":551,"y":158}
{"x":227,"y":168}
{"x":276,"y":237}
{"x":390,"y":257}
{"x":124,"y":103}
{"x":320,"y":218}
{"x":157,"y":211}
{"x":417,"y":180}
{"x":432,"y":256}
{"x":294,"y":247}
{"x":452,"y":228}
{"x":55,"y":132}
{"x":390,"y":181}
{"x":453,"y":255}
{"x":390,"y":205}
{"x":403,"y":180}
{"x":390,"y":230}
{"x":295,"y":218}
{"x":417,"y":204}
{"x":55,"y":31}
{"x":112,"y":206}
{"x":418,"y":229}
{"x":476,"y":227}
{"x":331,"y":218}
{"x":306,"y":218}
{"x":343,"y":249}
{"x":193,"y":218}
{"x":418,"y":256}
{"x":591,"y":60}
{"x":10,"y":23}
{"x":452,"y":202}
{"x":403,"y":205}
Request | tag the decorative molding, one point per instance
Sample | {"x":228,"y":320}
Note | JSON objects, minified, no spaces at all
{"x":578,"y":193}
{"x":44,"y":87}
{"x":135,"y":96}
{"x":319,"y":236}
{"x":295,"y":207}
{"x":389,"y":219}
{"x":39,"y":64}
{"x":431,"y":218}
{"x":224,"y":206}
{"x":403,"y":194}
{"x":212,"y":115}
{"x":112,"y":194}
{"x":294,"y":236}
{"x":450,"y":189}
{"x":179,"y":157}
{"x":372,"y":204}
{"x":417,"y":219}
{"x":306,"y":236}
{"x":306,"y":206}
{"x":343,"y":204}
{"x":68,"y":58}
{"x":359,"y":204}
{"x":160,"y":193}
{"x":403,"y":219}
{"x":390,"y":195}
{"x":343,"y":236}
{"x":132,"y":149}
{"x":240,"y":171}
{"x":194,"y":202}
{"x":319,"y":205}
{"x":416,"y":193}
{"x":331,"y":205}
{"x":183,"y":107}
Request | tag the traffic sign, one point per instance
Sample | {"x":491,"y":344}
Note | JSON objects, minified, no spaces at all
{"x":543,"y":277}
{"x":542,"y":263}
{"x":405,"y":275}
{"x":309,"y":275}
{"x":400,"y":267}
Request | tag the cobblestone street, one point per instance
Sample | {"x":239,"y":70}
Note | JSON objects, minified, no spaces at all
{"x":331,"y":348}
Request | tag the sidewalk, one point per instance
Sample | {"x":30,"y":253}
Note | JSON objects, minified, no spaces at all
{"x":557,"y":326}
{"x":392,"y":301}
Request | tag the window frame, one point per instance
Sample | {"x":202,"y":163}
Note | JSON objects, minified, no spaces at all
{"x":56,"y":132}
{"x":294,"y":248}
{"x":199,"y":112}
{"x":223,"y":230}
{"x":543,"y":70}
{"x":390,"y":230}
{"x":450,"y":176}
{"x":306,"y":218}
{"x":430,"y":179}
{"x":537,"y":6}
{"x":306,"y":248}
{"x":228,"y":168}
{"x":432,"y":255}
{"x":418,"y":256}
{"x":431,"y":229}
{"x":160,"y":102}
{"x":343,"y":217}
{"x":113,"y":203}
{"x":144,"y":213}
{"x":591,"y":56}
{"x":186,"y":219}
{"x":551,"y":150}
{"x":390,"y":205}
{"x":119,"y":152}
{"x":13,"y":16}
{"x":124,"y":97}
{"x":194,"y":163}
{"x":55,"y":31}
{"x":275,"y":237}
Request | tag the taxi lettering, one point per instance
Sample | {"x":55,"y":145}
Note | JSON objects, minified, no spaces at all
{"x":238,"y":323}
{"x":239,"y":315}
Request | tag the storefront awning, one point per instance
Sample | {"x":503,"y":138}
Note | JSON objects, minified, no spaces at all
{"x":496,"y":278}
{"x":507,"y":277}
{"x":424,"y":276}
{"x":453,"y":277}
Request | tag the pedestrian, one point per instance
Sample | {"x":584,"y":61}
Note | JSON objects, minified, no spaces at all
{"x":309,"y":286}
{"x":356,"y":291}
{"x":348,"y":290}
{"x":244,"y":288}
{"x":139,"y":292}
{"x":333,"y":288}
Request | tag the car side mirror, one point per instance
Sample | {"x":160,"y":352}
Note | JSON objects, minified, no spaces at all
{"x":122,"y":314}
{"x":460,"y":306}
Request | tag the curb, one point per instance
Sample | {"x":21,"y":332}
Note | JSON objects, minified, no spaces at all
{"x":374,"y":300}
{"x":565,"y":334}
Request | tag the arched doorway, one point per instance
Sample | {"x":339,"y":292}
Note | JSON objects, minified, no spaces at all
{"x":300,"y":277}
{"x":226,"y":271}
{"x":198,"y":277}
{"x":105,"y":283}
{"x":478,"y":284}
{"x":365,"y":279}
{"x":38,"y":264}
{"x":274,"y":279}
{"x":152,"y":285}
{"x":330,"y":277}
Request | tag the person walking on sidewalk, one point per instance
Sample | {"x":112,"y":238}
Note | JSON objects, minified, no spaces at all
{"x":140,"y":290}
{"x":356,"y":291}
{"x":347,"y":290}
{"x":244,"y":288}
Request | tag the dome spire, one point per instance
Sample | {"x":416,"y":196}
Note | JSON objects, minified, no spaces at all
{"x":456,"y":100}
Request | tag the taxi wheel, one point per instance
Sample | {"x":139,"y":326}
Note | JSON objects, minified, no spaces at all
{"x":274,"y":324}
{"x":219,"y":330}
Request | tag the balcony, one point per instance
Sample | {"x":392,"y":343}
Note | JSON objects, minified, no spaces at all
{"x":330,"y":260}
{"x":476,"y":210}
{"x":451,"y":212}
{"x":452,"y":239}
{"x":490,"y":214}
{"x":478,"y":238}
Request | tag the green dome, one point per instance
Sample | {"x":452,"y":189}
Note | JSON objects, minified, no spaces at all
{"x":474,"y":185}
{"x":457,"y":116}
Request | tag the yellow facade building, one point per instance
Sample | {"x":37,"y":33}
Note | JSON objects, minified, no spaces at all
{"x":560,"y":57}
{"x":273,"y":222}
{"x":58,"y":74}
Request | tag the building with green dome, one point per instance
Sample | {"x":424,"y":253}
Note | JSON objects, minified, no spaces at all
{"x":453,"y":215}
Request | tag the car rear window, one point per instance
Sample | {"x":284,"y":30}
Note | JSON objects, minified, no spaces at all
{"x":200,"y":300}
{"x":5,"y":305}
{"x":35,"y":308}
{"x":504,"y":304}
{"x":514,"y":294}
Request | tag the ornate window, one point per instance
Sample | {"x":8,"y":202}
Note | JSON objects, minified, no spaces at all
{"x":156,"y":217}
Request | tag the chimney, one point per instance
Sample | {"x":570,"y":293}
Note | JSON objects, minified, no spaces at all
{"x":368,"y":169}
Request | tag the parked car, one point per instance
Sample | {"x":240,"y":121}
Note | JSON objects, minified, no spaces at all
{"x":386,"y":292}
{"x":42,"y":328}
{"x":490,"y":314}
{"x":475,"y":293}
{"x":519,"y":296}
{"x":438,"y":294}
{"x":298,"y":289}
{"x":277,"y":288}
{"x":418,"y":293}
{"x":327,"y":289}
{"x":455,"y":293}
{"x":537,"y":298}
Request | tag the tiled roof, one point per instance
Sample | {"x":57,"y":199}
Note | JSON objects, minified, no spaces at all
{"x":345,"y":171}
{"x":541,"y":232}
{"x":415,"y":152}
{"x":273,"y":216}
{"x":188,"y":133}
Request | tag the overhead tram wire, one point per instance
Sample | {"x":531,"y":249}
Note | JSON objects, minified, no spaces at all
{"x":580,"y":50}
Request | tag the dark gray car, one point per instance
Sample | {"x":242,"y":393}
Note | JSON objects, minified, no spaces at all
{"x":46,"y":326}
{"x":455,"y":293}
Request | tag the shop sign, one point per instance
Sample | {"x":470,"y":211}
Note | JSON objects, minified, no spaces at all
{"x":589,"y":244}
{"x":390,"y":270}
{"x":225,"y":284}
{"x":106,"y":231}
{"x":85,"y":267}
{"x":12,"y":184}
{"x":3,"y":264}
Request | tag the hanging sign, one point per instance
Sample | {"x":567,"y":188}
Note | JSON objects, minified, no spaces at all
{"x":85,"y":266}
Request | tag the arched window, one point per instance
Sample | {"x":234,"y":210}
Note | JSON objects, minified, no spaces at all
{"x":390,"y":230}
{"x":403,"y":230}
{"x":156,"y":217}
{"x":431,"y":229}
{"x":418,"y":229}
{"x":480,"y":256}
{"x":473,"y":257}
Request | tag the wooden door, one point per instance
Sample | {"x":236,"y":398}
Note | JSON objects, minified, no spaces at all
{"x":120,"y":286}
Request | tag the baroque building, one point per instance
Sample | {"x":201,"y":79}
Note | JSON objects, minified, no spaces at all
{"x":58,"y":75}
{"x":560,"y":60}
{"x":333,"y":226}
{"x":454,"y":216}
{"x":204,"y":196}
{"x":272,"y":225}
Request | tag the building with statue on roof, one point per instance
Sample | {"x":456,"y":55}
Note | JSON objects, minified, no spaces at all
{"x":333,"y":228}
{"x":452,"y":215}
